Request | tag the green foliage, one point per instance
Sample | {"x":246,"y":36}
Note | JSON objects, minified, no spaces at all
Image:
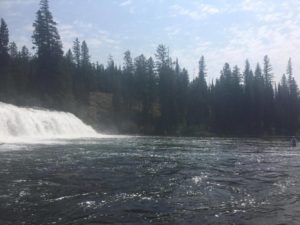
{"x":268,"y":71}
{"x":4,"y":60}
{"x":198,"y":108}
{"x":77,"y":52}
{"x":49,"y":77}
{"x":45,"y":35}
{"x":4,"y":40}
{"x":153,"y":97}
{"x":85,"y":57}
{"x":13,"y":50}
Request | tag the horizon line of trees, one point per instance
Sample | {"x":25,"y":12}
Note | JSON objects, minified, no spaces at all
{"x":153,"y":93}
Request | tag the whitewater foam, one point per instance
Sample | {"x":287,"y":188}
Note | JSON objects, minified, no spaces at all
{"x":21,"y":124}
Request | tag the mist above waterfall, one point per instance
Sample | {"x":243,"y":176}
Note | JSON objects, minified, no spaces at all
{"x":18,"y":123}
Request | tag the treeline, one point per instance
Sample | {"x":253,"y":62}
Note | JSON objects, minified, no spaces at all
{"x":154,"y":94}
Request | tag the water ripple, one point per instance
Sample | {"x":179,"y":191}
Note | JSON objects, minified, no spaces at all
{"x":150,"y":180}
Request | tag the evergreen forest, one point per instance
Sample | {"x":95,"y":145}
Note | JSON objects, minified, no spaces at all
{"x":154,"y":93}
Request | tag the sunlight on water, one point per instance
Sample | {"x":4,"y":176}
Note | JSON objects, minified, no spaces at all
{"x":150,"y":180}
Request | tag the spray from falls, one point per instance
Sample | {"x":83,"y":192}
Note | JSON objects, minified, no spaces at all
{"x":18,"y":122}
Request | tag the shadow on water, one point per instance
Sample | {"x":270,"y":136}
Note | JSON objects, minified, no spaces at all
{"x":150,"y":180}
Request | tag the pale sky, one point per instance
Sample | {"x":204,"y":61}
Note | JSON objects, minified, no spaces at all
{"x":221,"y":30}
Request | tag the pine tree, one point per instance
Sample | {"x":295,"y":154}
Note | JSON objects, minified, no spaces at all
{"x":166,"y":89}
{"x":4,"y":60}
{"x":25,"y":54}
{"x":4,"y":40}
{"x":110,"y":63}
{"x":162,"y":56}
{"x":268,"y":95}
{"x":152,"y":90}
{"x":77,"y":52}
{"x":128,"y":63}
{"x":292,"y":109}
{"x":282,"y":106}
{"x":248,"y":97}
{"x":268,"y":76}
{"x":45,"y":35}
{"x":202,"y":73}
{"x":248,"y":76}
{"x":259,"y":99}
{"x":236,"y":76}
{"x":128,"y":85}
{"x":224,"y":108}
{"x":182,"y":85}
{"x":13,"y":50}
{"x":50,"y":81}
{"x":23,"y":80}
{"x":69,"y":56}
{"x":198,"y":98}
{"x":238,"y":102}
{"x":141,"y":87}
{"x":289,"y":72}
{"x":85,"y":57}
{"x":86,"y":76}
{"x":258,"y":74}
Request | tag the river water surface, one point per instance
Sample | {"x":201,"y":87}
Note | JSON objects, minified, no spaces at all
{"x":150,"y":180}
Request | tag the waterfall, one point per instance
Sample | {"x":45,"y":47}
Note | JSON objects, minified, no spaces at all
{"x":19,"y":122}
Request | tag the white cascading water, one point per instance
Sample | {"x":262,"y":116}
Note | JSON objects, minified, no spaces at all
{"x":23,"y":123}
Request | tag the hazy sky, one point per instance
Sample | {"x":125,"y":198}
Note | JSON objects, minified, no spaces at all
{"x":221,"y":30}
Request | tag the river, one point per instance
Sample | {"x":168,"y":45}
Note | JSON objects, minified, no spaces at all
{"x":150,"y":180}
